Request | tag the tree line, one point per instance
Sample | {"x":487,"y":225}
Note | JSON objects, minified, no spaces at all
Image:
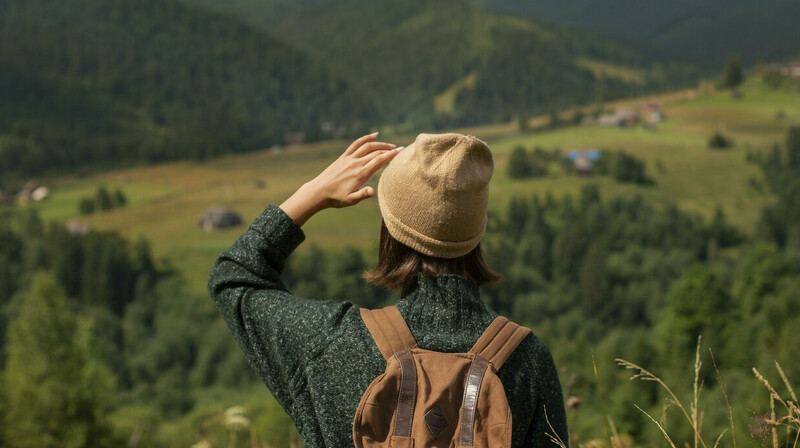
{"x":91,"y":324}
{"x":88,"y":84}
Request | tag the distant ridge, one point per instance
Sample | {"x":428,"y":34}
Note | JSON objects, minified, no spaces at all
{"x":703,"y":31}
{"x":405,"y":54}
{"x":92,"y":83}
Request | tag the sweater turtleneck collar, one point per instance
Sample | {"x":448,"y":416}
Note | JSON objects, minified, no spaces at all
{"x":444,"y":289}
{"x":445,"y":311}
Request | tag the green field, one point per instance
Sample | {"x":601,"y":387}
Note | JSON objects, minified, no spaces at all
{"x":166,"y":200}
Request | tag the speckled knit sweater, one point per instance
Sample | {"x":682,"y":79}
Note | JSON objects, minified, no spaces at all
{"x":317,"y":357}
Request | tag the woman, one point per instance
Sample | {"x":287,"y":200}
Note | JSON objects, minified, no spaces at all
{"x":318,"y":357}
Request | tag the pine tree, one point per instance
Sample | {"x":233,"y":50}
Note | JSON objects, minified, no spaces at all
{"x":55,"y":391}
{"x":119,"y":199}
{"x":732,"y":75}
{"x":519,"y":164}
{"x":793,"y":147}
{"x":103,"y":200}
{"x":697,"y":304}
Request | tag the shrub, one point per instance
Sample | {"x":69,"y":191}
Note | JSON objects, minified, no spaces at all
{"x":622,"y":166}
{"x":719,"y":141}
{"x":102,"y":201}
{"x":627,"y":168}
{"x":522,"y":165}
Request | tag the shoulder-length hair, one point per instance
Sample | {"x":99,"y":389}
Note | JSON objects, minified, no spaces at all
{"x":399,"y":265}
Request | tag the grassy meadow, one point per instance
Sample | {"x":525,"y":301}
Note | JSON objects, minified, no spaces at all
{"x":165,"y":201}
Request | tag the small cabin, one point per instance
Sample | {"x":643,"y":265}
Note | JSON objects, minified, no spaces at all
{"x":216,"y":217}
{"x":583,"y":159}
{"x":620,"y":118}
{"x":791,"y":69}
{"x":652,"y":112}
{"x":24,"y":194}
{"x":76,"y":227}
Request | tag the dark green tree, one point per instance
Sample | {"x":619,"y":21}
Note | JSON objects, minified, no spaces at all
{"x":697,"y":305}
{"x":719,"y":141}
{"x":519,"y":164}
{"x":305,"y":273}
{"x":793,"y":148}
{"x":119,"y":199}
{"x":722,"y":232}
{"x":594,"y":279}
{"x":346,"y":282}
{"x":628,"y":168}
{"x":86,"y":206}
{"x":523,"y":122}
{"x":732,"y":74}
{"x":57,"y":393}
{"x":517,"y":217}
{"x":103,"y":200}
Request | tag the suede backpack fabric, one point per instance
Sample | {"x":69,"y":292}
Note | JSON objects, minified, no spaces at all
{"x":428,"y":399}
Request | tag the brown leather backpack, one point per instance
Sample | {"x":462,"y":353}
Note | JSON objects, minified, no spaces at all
{"x":432,"y":399}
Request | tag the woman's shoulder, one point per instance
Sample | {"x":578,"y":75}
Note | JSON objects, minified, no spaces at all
{"x":532,"y":356}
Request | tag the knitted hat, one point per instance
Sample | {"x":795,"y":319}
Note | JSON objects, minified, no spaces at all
{"x":433,"y":195}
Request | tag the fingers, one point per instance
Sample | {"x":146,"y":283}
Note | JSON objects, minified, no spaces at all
{"x":359,"y":195}
{"x":371,"y":147}
{"x":359,"y":142}
{"x":378,"y":159}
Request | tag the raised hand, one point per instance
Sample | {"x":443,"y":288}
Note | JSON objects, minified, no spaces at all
{"x":341,"y":183}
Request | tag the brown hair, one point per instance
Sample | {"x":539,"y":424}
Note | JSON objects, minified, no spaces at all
{"x":399,"y":265}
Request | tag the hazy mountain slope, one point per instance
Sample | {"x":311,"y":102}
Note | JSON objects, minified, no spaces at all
{"x":406,"y":53}
{"x":92,"y":82}
{"x":704,"y":31}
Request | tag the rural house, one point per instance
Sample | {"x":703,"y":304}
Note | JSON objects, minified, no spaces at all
{"x":216,"y":217}
{"x":791,"y":69}
{"x":583,"y":160}
{"x":32,"y":191}
{"x":620,"y":118}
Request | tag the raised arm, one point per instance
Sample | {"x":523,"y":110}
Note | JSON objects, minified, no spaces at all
{"x":275,"y":329}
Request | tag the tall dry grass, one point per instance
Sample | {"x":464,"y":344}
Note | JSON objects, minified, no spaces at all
{"x":784,"y":411}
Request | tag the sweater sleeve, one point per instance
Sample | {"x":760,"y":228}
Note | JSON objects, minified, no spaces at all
{"x":550,"y":421}
{"x":277,"y":331}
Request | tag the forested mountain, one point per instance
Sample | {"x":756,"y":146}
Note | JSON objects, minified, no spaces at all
{"x":444,"y":62}
{"x":703,"y":31}
{"x":88,"y":83}
{"x":615,"y":276}
{"x":91,"y":82}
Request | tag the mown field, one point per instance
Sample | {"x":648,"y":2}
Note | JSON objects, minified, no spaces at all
{"x":165,"y":201}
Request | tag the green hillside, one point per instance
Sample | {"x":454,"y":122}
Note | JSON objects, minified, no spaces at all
{"x":598,"y":267}
{"x":88,"y":83}
{"x":167,"y":199}
{"x":406,"y":54}
{"x":704,"y":31}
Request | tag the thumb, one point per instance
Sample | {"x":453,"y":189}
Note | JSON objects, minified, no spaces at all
{"x":361,"y":194}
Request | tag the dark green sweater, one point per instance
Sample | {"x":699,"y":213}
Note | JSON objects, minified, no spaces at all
{"x":317,"y":357}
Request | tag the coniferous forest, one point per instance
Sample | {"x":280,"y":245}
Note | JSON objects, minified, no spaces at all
{"x":90,"y":84}
{"x":91,"y":324}
{"x":672,"y":318}
{"x":93,"y":84}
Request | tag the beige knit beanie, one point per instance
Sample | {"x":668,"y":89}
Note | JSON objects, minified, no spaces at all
{"x":434,"y":195}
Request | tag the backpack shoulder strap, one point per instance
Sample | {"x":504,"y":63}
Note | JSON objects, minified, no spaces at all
{"x":389,"y":330}
{"x":499,"y":340}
